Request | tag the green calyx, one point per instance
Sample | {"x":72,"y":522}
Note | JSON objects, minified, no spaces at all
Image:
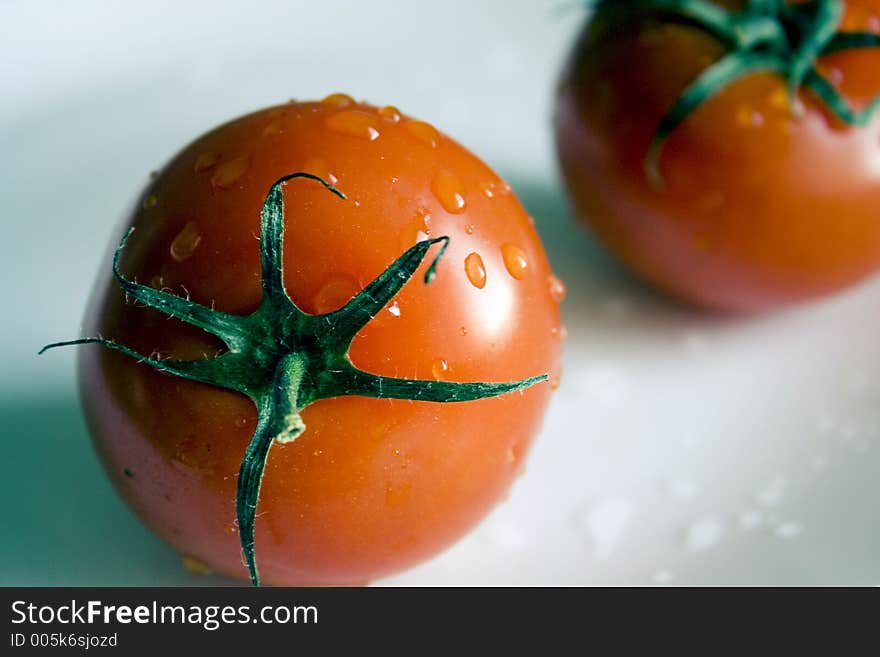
{"x":285,"y":359}
{"x":766,"y":36}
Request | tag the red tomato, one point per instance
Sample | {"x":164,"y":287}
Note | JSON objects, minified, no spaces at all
{"x":759,"y":205}
{"x":372,"y":486}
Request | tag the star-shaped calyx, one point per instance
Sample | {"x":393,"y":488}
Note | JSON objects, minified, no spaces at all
{"x":765,"y":36}
{"x":284,"y":358}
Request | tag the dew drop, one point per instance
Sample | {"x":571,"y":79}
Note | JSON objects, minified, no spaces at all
{"x":354,"y":123}
{"x":788,"y":530}
{"x":704,"y":534}
{"x":241,"y":421}
{"x":228,"y":173}
{"x":475,"y":270}
{"x":557,"y":289}
{"x":604,"y":524}
{"x":390,"y":113}
{"x":336,"y":291}
{"x":157,"y":282}
{"x":750,"y":519}
{"x":450,"y":191}
{"x":275,"y":127}
{"x":469,"y":229}
{"x":555,"y":381}
{"x":774,"y":492}
{"x":463,"y":330}
{"x":424,"y":132}
{"x":338,"y":100}
{"x":186,"y":242}
{"x":439,"y":368}
{"x":514,"y":260}
{"x":150,"y":201}
{"x":320,"y":167}
{"x":205,"y":161}
{"x":488,"y":189}
{"x":393,"y":308}
{"x":196,"y":566}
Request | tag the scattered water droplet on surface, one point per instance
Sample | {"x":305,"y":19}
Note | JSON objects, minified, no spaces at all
{"x":773,"y":493}
{"x":750,"y":519}
{"x":488,"y":189}
{"x":449,"y":190}
{"x":788,"y":530}
{"x":390,"y":113}
{"x":334,"y":293}
{"x":515,"y":260}
{"x":241,"y":421}
{"x":463,"y":330}
{"x":469,"y":229}
{"x":704,"y":534}
{"x":354,"y":123}
{"x":475,"y":270}
{"x":557,"y":289}
{"x":424,"y":132}
{"x":229,"y":173}
{"x":338,"y":100}
{"x":186,"y":242}
{"x":604,"y":524}
{"x":275,"y":127}
{"x":205,"y":161}
{"x":318,"y":166}
{"x":439,"y":368}
{"x":150,"y":201}
{"x":393,"y":308}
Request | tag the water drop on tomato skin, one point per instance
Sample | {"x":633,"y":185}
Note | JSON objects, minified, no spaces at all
{"x":334,"y":293}
{"x":389,"y":113}
{"x":318,"y":166}
{"x":338,"y":100}
{"x":205,"y":161}
{"x":229,"y":173}
{"x":475,"y":270}
{"x":450,"y":191}
{"x":439,"y":368}
{"x":354,"y":123}
{"x":515,"y":261}
{"x":150,"y":202}
{"x":424,"y":132}
{"x":557,"y":289}
{"x":186,"y":242}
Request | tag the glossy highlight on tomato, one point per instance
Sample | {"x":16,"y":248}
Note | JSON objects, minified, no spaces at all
{"x":763,"y":202}
{"x":372,"y":486}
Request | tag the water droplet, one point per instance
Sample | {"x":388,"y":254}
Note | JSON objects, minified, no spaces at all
{"x":231,"y":527}
{"x":475,"y":270}
{"x":338,"y":100}
{"x":274,"y":127}
{"x":439,"y":368}
{"x":196,"y":566}
{"x":604,"y":524}
{"x":205,"y":161}
{"x":186,"y":242}
{"x":450,"y":191}
{"x":241,"y":421}
{"x":704,"y":534}
{"x":390,"y":113}
{"x":747,"y":117}
{"x":397,"y":495}
{"x":320,"y":167}
{"x":393,"y":308}
{"x":750,"y":519}
{"x":469,"y":229}
{"x":463,"y":330}
{"x":662,"y":577}
{"x":788,"y":530}
{"x":488,"y":189}
{"x":514,"y":260}
{"x":835,"y":76}
{"x":336,"y":291}
{"x":228,"y":173}
{"x":424,"y":132}
{"x":779,"y":99}
{"x":354,"y":123}
{"x":157,"y":282}
{"x":555,"y":381}
{"x":773,"y":492}
{"x":150,"y":201}
{"x":516,"y":452}
{"x":557,"y":289}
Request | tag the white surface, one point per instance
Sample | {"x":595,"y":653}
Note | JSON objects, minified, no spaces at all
{"x":679,"y":449}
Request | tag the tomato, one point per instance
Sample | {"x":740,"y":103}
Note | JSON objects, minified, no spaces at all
{"x":757,"y":202}
{"x":373,"y":485}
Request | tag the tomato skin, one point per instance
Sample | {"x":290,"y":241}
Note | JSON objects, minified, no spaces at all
{"x":759,"y":208}
{"x":373,"y":486}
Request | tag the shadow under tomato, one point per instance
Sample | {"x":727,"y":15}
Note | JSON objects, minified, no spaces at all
{"x":64,"y":523}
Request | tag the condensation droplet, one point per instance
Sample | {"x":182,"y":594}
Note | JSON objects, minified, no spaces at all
{"x":338,"y":100}
{"x":704,"y":534}
{"x":488,"y":189}
{"x":557,"y":289}
{"x":773,"y":493}
{"x":228,"y":173}
{"x":555,"y":381}
{"x":390,"y":113}
{"x":450,"y":191}
{"x":463,"y":330}
{"x":439,"y":368}
{"x":186,"y":242}
{"x":320,"y":167}
{"x":475,"y":270}
{"x":150,"y":201}
{"x":335,"y":292}
{"x":750,"y":519}
{"x":241,"y":421}
{"x":515,"y":260}
{"x":469,"y":229}
{"x":275,"y":127}
{"x":788,"y":530}
{"x":354,"y":123}
{"x":205,"y":161}
{"x":604,"y":524}
{"x":424,"y":132}
{"x":394,"y":308}
{"x":196,"y":566}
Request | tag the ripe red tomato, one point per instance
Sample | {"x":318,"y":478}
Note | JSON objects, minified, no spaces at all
{"x":757,"y":205}
{"x":373,"y":485}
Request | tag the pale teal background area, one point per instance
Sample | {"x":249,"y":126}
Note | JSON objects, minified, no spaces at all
{"x":681,"y":448}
